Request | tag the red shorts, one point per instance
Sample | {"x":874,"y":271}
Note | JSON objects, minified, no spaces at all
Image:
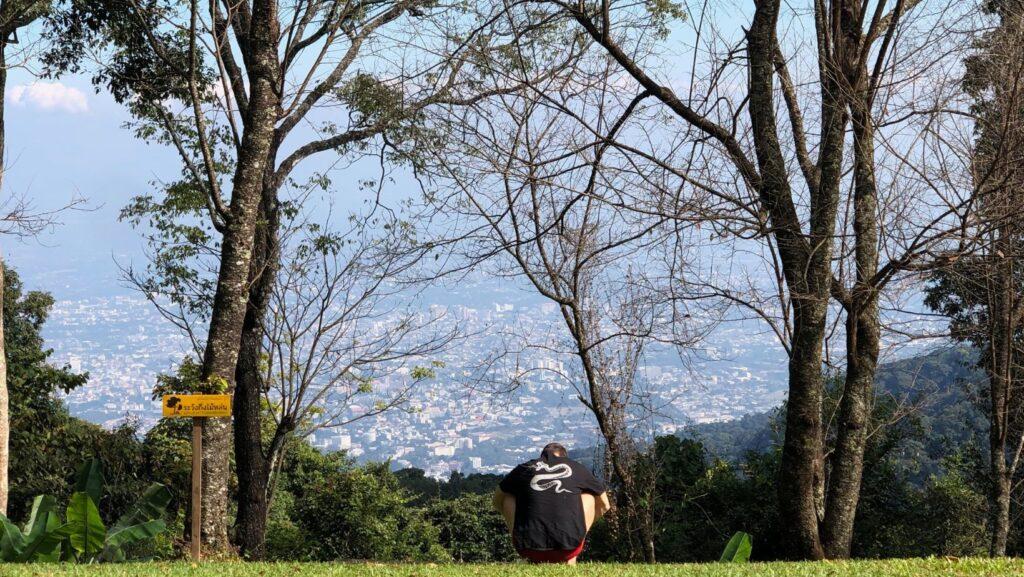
{"x":551,"y":555}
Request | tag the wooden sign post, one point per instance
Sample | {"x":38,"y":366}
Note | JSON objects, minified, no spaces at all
{"x":198,"y":407}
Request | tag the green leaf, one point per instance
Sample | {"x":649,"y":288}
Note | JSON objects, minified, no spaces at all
{"x":43,"y":537}
{"x":88,"y":532}
{"x":46,"y":546}
{"x":738,"y":549}
{"x":143,"y":521}
{"x":151,"y":505}
{"x":12,"y":542}
{"x":128,"y":535}
{"x":90,"y":480}
{"x":37,"y":519}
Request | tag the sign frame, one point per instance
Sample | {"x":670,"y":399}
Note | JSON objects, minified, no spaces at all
{"x":187,"y":405}
{"x":198,"y":408}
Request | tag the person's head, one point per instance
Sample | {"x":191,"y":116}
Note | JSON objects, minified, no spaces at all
{"x":552,"y":450}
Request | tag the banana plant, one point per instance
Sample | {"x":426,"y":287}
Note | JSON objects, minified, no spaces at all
{"x":738,"y":549}
{"x":81,"y":536}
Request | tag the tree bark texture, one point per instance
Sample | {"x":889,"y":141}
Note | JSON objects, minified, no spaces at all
{"x":807,"y":271}
{"x":1000,"y":375}
{"x":5,"y":405}
{"x":251,"y":462}
{"x":232,"y":293}
{"x":862,"y":349}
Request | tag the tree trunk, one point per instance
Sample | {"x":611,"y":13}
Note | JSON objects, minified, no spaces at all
{"x":5,"y":408}
{"x":5,"y":405}
{"x":806,"y":262}
{"x":639,"y":513}
{"x":1000,"y":375}
{"x":609,"y":413}
{"x":251,"y":462}
{"x":232,"y":295}
{"x":862,"y":349}
{"x":999,"y":509}
{"x":999,"y":495}
{"x":252,"y":467}
{"x":801,"y":470}
{"x":847,"y":465}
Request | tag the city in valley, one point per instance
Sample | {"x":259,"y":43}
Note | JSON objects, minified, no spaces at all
{"x":452,"y":421}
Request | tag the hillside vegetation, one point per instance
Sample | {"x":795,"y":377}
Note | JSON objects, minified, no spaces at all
{"x":894,"y":568}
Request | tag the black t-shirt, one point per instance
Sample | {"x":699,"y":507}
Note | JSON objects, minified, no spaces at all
{"x":549,"y":511}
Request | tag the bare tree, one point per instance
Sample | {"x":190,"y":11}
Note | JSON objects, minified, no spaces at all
{"x":543,"y":198}
{"x":830,"y":234}
{"x":344,"y":339}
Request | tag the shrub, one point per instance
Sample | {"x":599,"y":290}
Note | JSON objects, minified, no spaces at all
{"x":364,"y":514}
{"x":81,"y":536}
{"x":470,"y":530}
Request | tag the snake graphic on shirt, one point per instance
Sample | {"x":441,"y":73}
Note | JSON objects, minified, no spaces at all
{"x":549,"y":477}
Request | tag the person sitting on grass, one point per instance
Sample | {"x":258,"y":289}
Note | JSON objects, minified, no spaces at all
{"x":549,"y":505}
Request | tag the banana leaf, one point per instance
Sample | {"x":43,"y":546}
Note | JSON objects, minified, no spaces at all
{"x":12,"y":542}
{"x":139,"y":523}
{"x":117,"y":540}
{"x":54,"y":524}
{"x":47,"y":546}
{"x":37,"y":519}
{"x":738,"y":549}
{"x":151,"y":505}
{"x":88,"y":532}
{"x":90,"y":480}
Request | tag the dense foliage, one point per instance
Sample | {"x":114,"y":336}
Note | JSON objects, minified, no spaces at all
{"x":79,"y":533}
{"x":470,"y":530}
{"x":362,"y":514}
{"x":923,"y":492}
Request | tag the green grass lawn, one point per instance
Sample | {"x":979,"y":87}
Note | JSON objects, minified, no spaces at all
{"x":899,"y":568}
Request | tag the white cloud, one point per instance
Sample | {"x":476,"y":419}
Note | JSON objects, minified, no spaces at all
{"x":49,"y":96}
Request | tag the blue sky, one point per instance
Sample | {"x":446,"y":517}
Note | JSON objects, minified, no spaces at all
{"x":65,"y":141}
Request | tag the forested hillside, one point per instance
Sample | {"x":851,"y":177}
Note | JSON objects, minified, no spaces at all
{"x":934,"y":397}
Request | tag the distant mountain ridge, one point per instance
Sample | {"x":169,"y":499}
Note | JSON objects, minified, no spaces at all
{"x":938,"y":390}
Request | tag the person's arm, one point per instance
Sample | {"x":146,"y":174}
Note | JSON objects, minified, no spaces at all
{"x":596,"y":501}
{"x":498,"y":500}
{"x":505,"y":504}
{"x":603,"y":505}
{"x":594,"y":506}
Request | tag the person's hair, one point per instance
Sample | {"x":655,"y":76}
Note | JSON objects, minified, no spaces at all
{"x":553,"y":450}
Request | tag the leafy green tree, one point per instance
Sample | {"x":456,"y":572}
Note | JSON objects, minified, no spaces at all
{"x":983,"y":294}
{"x":46,"y":443}
{"x":425,"y":489}
{"x":700,"y":502}
{"x":953,"y":518}
{"x":719,"y":501}
{"x":363,"y":513}
{"x":221,"y":223}
{"x":459,"y":484}
{"x":304,"y":467}
{"x":470,"y":530}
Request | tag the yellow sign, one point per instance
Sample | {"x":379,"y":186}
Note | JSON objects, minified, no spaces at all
{"x":197,"y":405}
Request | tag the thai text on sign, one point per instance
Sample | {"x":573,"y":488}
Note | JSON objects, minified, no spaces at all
{"x":196,"y":405}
